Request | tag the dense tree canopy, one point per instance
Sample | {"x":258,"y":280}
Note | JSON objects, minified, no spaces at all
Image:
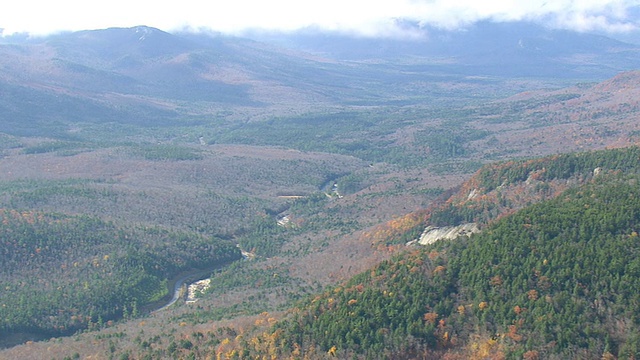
{"x":60,"y":273}
{"x":559,"y":278}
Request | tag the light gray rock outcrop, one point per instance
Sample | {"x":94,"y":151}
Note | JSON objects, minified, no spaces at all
{"x":432,"y":234}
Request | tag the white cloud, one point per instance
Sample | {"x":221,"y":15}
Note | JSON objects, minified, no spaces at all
{"x":365,"y":17}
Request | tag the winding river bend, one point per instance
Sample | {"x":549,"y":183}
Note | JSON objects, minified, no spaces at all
{"x":173,"y":286}
{"x":176,"y":285}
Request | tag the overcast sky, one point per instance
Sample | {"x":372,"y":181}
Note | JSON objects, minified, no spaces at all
{"x":364,"y":17}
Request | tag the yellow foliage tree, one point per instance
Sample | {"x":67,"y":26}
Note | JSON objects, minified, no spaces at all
{"x":332,"y":351}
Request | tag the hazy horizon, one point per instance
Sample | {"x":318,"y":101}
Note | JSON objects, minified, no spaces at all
{"x":356,"y":17}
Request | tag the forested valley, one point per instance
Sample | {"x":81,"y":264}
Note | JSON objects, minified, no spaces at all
{"x":303,"y":188}
{"x":556,"y":279}
{"x":553,"y":274}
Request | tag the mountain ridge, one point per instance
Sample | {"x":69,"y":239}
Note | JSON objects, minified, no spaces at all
{"x":147,"y":57}
{"x":486,"y":48}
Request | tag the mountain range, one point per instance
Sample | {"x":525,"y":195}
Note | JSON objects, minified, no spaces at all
{"x":484,"y":48}
{"x":146,"y":76}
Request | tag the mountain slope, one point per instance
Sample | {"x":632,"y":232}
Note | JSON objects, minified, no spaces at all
{"x":555,"y":279}
{"x":514,"y":49}
{"x":145,"y":76}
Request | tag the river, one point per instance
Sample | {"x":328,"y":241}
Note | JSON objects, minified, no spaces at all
{"x":17,"y":338}
{"x":177,"y":282}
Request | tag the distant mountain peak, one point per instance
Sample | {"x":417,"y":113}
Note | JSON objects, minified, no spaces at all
{"x":144,"y":32}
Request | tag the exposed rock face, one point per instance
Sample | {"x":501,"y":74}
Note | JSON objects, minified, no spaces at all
{"x":432,"y":234}
{"x":198,"y":287}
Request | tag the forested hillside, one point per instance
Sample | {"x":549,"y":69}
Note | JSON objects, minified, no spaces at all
{"x":501,"y":188}
{"x":555,"y":279}
{"x":61,"y":273}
